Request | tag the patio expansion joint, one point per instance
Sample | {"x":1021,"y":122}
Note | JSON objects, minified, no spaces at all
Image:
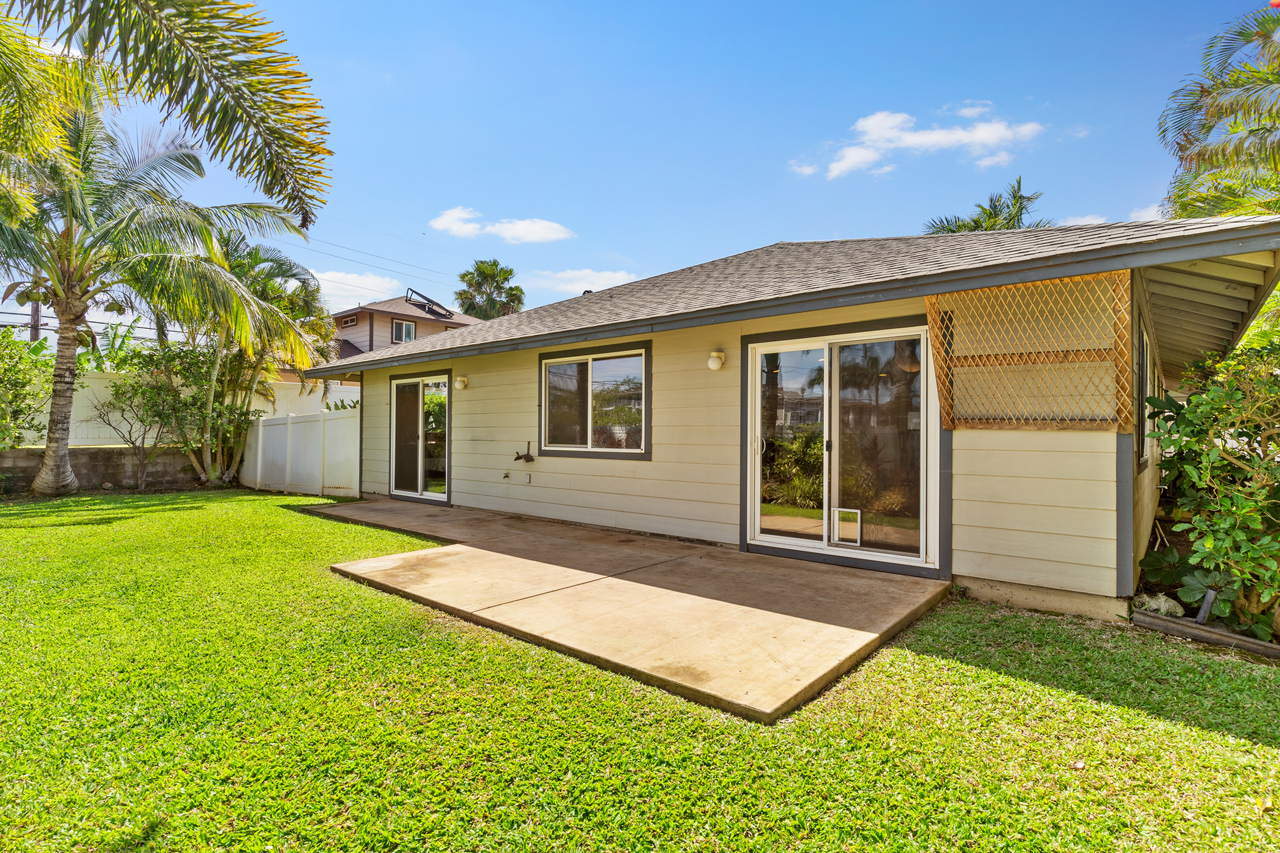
{"x":576,"y":585}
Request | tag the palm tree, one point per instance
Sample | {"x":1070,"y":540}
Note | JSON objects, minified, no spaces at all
{"x":213,"y":64}
{"x":110,"y":230}
{"x":487,"y":292}
{"x":1004,"y":211}
{"x":1224,"y":124}
{"x":273,"y":279}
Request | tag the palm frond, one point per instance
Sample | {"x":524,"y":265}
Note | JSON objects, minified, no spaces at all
{"x":216,"y":64}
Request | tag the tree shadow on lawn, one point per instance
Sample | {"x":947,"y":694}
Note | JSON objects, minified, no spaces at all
{"x":83,"y":510}
{"x":1116,"y":664}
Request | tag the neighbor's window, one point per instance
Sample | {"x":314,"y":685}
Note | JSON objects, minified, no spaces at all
{"x":348,"y":322}
{"x":402,"y":331}
{"x":595,"y":402}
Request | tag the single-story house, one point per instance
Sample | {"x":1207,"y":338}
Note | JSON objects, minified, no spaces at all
{"x":962,"y":406}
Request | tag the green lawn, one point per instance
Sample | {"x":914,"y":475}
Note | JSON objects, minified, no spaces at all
{"x":181,"y":672}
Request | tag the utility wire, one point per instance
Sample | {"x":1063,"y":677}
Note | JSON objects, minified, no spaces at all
{"x":396,"y":237}
{"x":380,"y":257}
{"x":366,"y":263}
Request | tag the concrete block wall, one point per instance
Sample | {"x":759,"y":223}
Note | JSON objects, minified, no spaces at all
{"x":97,"y":465}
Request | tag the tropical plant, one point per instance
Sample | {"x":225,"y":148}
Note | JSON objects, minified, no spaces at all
{"x":109,"y":349}
{"x":1221,"y":465}
{"x":111,"y":232}
{"x":1223,"y":124}
{"x":1004,"y":211}
{"x":135,"y":410}
{"x":487,"y":292}
{"x":26,"y":377}
{"x":215,"y":65}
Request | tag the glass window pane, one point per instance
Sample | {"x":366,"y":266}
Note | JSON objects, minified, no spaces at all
{"x":406,"y":438}
{"x":877,"y":465}
{"x":567,"y":404}
{"x":792,"y":491}
{"x":617,"y":402}
{"x":435,"y":422}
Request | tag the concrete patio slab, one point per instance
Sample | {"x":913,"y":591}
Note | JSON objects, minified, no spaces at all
{"x":751,"y":634}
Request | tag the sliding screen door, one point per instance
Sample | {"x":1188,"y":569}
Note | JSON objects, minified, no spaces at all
{"x":420,"y":437}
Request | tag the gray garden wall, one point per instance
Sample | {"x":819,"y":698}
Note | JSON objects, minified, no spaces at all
{"x":97,"y":465}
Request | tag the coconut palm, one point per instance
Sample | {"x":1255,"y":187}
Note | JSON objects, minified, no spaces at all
{"x":98,"y":225}
{"x":213,"y":64}
{"x":1223,"y":125}
{"x":1003,"y":211}
{"x":487,"y":292}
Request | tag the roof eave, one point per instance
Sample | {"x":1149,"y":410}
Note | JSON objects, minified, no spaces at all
{"x":1187,"y":247}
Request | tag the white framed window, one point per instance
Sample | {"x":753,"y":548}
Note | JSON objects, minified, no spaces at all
{"x":596,"y":402}
{"x":348,"y":322}
{"x":402,"y":331}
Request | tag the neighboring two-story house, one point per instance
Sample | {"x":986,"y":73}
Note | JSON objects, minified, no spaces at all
{"x":378,"y":325}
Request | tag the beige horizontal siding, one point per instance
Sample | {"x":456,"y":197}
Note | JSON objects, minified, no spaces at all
{"x":1035,"y":507}
{"x":689,"y":488}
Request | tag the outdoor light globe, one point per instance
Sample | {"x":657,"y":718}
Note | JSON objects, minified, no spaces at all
{"x":716,"y":361}
{"x":460,"y":383}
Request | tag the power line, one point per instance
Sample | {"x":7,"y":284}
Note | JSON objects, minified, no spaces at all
{"x":397,"y":237}
{"x":381,"y":257}
{"x":366,"y":263}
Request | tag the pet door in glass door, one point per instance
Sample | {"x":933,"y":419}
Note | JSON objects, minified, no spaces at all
{"x":877,"y":443}
{"x":420,"y":437}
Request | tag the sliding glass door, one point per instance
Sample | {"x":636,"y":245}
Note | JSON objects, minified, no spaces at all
{"x":842,"y":445}
{"x":420,"y":437}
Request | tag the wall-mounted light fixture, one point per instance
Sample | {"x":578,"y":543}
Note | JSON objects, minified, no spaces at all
{"x":716,"y":361}
{"x":459,"y":383}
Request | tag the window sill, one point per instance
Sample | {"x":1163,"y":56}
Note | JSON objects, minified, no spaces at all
{"x":575,"y":453}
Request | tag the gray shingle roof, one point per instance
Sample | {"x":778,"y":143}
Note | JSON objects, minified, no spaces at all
{"x":400,"y":306}
{"x":867,"y":268}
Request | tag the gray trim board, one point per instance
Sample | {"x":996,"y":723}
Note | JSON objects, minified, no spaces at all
{"x":1124,"y":515}
{"x":360,"y":449}
{"x":847,"y":562}
{"x":944,"y":503}
{"x":646,"y":454}
{"x":1161,"y":251}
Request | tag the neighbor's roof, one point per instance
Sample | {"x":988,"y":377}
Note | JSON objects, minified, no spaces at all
{"x":792,"y":277}
{"x":404,"y":307}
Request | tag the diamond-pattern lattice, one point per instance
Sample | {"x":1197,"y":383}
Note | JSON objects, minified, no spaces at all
{"x":1042,"y":355}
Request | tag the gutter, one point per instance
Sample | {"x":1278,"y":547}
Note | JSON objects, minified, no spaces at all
{"x":1151,"y":253}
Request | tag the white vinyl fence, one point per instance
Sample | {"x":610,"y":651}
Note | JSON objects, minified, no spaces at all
{"x":316,"y":454}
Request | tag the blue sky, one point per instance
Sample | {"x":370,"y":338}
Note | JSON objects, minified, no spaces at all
{"x":587,"y":144}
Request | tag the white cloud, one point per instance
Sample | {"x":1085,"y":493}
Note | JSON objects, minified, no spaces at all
{"x":460,"y":222}
{"x":884,"y":170}
{"x":1087,"y":219}
{"x":884,"y":132}
{"x":1145,"y":214}
{"x":973,"y":109}
{"x":457,"y":221}
{"x":343,"y":290}
{"x":528,"y":230}
{"x":799,"y":168}
{"x":576,"y":281}
{"x":850,"y":159}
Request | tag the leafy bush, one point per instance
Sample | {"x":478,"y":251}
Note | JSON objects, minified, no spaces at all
{"x":1222,"y":468}
{"x":26,"y":379}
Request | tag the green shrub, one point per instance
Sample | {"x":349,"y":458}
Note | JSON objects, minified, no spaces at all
{"x":1222,"y":467}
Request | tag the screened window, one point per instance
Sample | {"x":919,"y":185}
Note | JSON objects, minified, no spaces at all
{"x":402,"y":331}
{"x":348,"y":322}
{"x":595,"y":402}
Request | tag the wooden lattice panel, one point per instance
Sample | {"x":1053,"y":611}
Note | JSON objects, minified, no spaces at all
{"x":1041,"y":355}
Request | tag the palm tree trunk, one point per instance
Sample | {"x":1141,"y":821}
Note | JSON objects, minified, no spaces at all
{"x":206,"y":450}
{"x":55,"y":476}
{"x":234,"y":468}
